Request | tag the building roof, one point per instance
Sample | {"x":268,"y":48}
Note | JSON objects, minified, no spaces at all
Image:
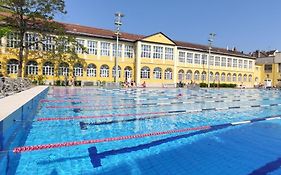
{"x":263,"y":54}
{"x":97,"y":32}
{"x":104,"y":33}
{"x":110,"y":34}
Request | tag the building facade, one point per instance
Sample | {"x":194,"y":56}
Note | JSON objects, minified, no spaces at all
{"x":155,"y":59}
{"x":270,"y":64}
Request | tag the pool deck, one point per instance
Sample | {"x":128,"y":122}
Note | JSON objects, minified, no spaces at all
{"x":11,"y":103}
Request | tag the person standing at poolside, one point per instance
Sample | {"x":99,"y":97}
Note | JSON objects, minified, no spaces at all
{"x":128,"y":82}
{"x":144,"y":84}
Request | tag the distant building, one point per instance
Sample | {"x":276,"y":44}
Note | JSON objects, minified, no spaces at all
{"x":270,"y":63}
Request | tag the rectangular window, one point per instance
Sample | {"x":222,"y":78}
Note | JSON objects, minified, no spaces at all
{"x":229,"y":62}
{"x":197,"y":59}
{"x":223,"y":62}
{"x":181,"y":57}
{"x":48,"y":43}
{"x":93,"y":47}
{"x":234,"y":62}
{"x":169,"y":53}
{"x":145,"y":51}
{"x":119,"y":50}
{"x":79,"y":46}
{"x":217,"y":61}
{"x":204,"y":59}
{"x":211,"y":61}
{"x":31,"y":41}
{"x":129,"y":51}
{"x":279,"y":67}
{"x":13,"y":40}
{"x":157,"y":52}
{"x":268,"y":68}
{"x":189,"y":58}
{"x":105,"y":48}
{"x":240,"y":63}
{"x":250,"y":64}
{"x":245,"y":64}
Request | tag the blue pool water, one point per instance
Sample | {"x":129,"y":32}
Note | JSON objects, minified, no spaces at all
{"x":252,"y":148}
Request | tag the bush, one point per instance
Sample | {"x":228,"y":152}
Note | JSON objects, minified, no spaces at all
{"x":222,"y":85}
{"x":203,"y":85}
{"x":103,"y":83}
{"x":180,"y":85}
{"x":58,"y":83}
{"x":41,"y":79}
{"x":77,"y":83}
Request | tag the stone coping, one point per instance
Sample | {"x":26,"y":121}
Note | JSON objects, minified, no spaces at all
{"x":10,"y":104}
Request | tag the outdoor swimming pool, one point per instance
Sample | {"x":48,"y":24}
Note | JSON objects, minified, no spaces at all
{"x":169,"y":131}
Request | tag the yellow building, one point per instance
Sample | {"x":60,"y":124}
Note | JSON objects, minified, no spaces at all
{"x":155,"y":59}
{"x":270,"y":64}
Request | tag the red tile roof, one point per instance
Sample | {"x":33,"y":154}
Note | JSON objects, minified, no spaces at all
{"x":104,"y":33}
{"x":92,"y":31}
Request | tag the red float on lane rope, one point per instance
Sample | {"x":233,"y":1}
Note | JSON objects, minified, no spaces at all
{"x":74,"y":143}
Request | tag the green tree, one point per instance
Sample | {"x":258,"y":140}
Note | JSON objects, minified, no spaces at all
{"x":37,"y":16}
{"x":4,"y":31}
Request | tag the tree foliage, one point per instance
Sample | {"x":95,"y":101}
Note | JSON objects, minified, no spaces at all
{"x":4,"y":31}
{"x":38,"y":16}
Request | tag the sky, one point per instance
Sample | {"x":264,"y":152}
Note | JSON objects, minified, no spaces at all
{"x":248,"y":25}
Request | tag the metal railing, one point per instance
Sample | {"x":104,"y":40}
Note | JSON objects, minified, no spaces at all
{"x":10,"y":86}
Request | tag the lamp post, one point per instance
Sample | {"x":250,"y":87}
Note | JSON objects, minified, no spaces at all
{"x":210,"y":40}
{"x":118,"y":24}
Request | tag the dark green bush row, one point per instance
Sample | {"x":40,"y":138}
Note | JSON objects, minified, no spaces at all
{"x":223,"y":85}
{"x":180,"y":85}
{"x":61,"y":83}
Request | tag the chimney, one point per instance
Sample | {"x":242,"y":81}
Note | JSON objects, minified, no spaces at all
{"x":259,"y":53}
{"x":234,"y":49}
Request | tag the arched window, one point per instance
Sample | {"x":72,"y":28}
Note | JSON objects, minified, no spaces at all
{"x":229,"y":77}
{"x":196,"y":75}
{"x":78,"y":70}
{"x":203,"y":76}
{"x":157,"y":73}
{"x":250,"y":78}
{"x":32,"y":68}
{"x":91,"y":70}
{"x":48,"y":68}
{"x":63,"y":69}
{"x":12,"y":66}
{"x":211,"y":76}
{"x":223,"y":76}
{"x":217,"y":76}
{"x":240,"y":77}
{"x":119,"y":71}
{"x":245,"y":78}
{"x":104,"y":71}
{"x":234,"y":77}
{"x":189,"y":75}
{"x":181,"y":75}
{"x":168,"y":74}
{"x":145,"y":72}
{"x":128,"y":72}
